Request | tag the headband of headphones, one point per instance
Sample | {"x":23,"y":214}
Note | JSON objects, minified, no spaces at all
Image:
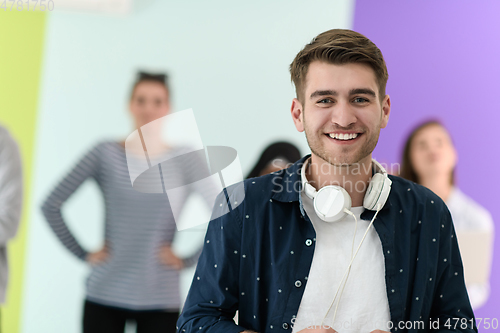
{"x":311,"y":191}
{"x":331,"y":202}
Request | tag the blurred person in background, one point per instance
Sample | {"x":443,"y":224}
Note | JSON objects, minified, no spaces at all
{"x":135,"y":275}
{"x":11,"y":195}
{"x":276,"y":156}
{"x":429,"y":158}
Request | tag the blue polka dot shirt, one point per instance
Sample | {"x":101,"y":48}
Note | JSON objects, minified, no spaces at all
{"x":257,"y":256}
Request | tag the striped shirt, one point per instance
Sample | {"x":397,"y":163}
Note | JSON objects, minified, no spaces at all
{"x":11,"y":197}
{"x":136,"y":226}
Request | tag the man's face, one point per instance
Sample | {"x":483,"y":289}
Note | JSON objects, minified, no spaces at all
{"x":341,"y":113}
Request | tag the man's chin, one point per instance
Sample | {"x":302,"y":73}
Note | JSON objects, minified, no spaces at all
{"x":341,"y":161}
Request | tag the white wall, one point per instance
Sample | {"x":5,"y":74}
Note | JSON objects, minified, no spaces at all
{"x":228,"y":60}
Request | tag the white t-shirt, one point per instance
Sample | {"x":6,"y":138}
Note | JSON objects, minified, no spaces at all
{"x":363,"y":306}
{"x":467,"y":214}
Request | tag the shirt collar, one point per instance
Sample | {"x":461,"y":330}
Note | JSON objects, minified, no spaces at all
{"x":288,"y":184}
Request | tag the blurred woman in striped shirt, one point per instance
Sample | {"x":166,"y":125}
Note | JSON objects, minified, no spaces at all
{"x":135,"y":276}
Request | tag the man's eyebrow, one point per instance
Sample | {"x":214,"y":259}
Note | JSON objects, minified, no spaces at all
{"x":364,"y":91}
{"x":323,"y":93}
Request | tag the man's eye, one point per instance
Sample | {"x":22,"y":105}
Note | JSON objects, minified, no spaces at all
{"x":324,"y":101}
{"x":360,"y":100}
{"x":140,"y":101}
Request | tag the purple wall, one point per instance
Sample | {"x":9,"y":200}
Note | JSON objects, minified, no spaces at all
{"x":443,"y":59}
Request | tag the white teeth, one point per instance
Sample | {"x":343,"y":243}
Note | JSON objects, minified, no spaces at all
{"x":342,"y":136}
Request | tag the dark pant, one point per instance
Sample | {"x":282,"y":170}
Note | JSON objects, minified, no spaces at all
{"x":99,"y":318}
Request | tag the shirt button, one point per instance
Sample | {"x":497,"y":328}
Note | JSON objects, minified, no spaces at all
{"x":285,"y":326}
{"x":298,"y":283}
{"x":309,"y":242}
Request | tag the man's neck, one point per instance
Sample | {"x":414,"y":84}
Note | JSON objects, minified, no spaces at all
{"x":353,"y":178}
{"x":438,"y":184}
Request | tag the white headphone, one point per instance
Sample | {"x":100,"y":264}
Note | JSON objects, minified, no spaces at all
{"x":332,"y":203}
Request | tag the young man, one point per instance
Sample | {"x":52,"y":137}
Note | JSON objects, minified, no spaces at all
{"x":375,"y":253}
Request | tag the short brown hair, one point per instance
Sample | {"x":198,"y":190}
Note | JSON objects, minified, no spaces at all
{"x":339,"y":46}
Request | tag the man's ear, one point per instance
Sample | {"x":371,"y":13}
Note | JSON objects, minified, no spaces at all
{"x":386,"y":110}
{"x":297,"y":115}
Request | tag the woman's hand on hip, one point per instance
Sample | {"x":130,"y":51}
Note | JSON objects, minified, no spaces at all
{"x":96,"y":258}
{"x":169,"y":258}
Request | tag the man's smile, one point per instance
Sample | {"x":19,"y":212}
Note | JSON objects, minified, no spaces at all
{"x":344,"y":138}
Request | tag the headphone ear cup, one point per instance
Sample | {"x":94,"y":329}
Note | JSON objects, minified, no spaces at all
{"x":377,"y":192}
{"x":330,"y":202}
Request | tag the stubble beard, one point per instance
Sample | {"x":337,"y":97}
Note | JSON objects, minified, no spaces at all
{"x":343,"y":160}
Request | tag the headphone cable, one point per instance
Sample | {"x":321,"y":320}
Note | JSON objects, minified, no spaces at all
{"x":346,"y":274}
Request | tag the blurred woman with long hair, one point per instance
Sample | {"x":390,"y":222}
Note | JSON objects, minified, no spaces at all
{"x":429,"y":158}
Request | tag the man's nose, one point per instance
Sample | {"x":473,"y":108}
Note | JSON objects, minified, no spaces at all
{"x":343,"y":115}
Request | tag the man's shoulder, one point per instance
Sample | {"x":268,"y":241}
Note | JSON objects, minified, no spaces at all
{"x":254,"y":190}
{"x":414,"y":193}
{"x":263,"y":183}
